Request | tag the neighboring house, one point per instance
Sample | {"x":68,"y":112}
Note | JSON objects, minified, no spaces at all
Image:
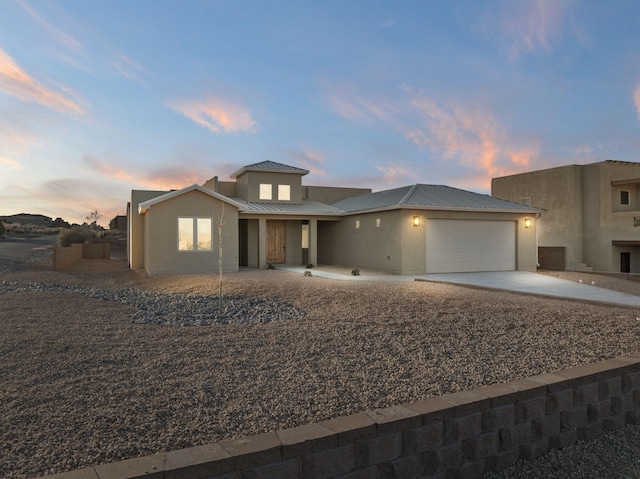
{"x":266,"y":216}
{"x":591,"y":214}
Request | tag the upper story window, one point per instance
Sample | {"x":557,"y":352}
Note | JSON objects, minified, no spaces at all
{"x":284,"y":192}
{"x":378,"y":222}
{"x":194,"y":234}
{"x":265,"y":191}
{"x":526,"y":200}
{"x":624,"y":197}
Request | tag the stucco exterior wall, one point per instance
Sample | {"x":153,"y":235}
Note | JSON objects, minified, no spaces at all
{"x":248,"y":186}
{"x":398,"y":247}
{"x":331,"y":194}
{"x":136,"y":229}
{"x":161,"y":235}
{"x":369,"y":246}
{"x":293,"y":250}
{"x":582,"y":210}
{"x":559,"y":192}
{"x":606,"y":220}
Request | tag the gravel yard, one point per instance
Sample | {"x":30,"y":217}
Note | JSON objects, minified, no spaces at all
{"x":83,"y":383}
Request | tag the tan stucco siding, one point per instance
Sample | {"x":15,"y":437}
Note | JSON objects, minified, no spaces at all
{"x":559,"y":192}
{"x":136,"y":231}
{"x":248,"y":186}
{"x":293,"y":246}
{"x":368,"y":246}
{"x":161,"y":245}
{"x":398,"y":247}
{"x":582,"y":210}
{"x":331,"y":194}
{"x":605,"y":219}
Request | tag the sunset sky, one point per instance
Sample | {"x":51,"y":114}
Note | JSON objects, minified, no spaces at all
{"x":101,"y":97}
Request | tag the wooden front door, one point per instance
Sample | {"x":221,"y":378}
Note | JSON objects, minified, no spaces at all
{"x":275,"y":242}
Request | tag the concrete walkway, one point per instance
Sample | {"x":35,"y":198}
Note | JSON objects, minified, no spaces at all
{"x":519,"y":281}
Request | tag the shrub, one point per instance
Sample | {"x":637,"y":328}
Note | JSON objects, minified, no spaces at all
{"x":270,"y":266}
{"x":2,"y":229}
{"x":77,"y":234}
{"x":308,"y":273}
{"x":311,"y":265}
{"x":355,"y":272}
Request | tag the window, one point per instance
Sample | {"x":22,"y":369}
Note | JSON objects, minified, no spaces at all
{"x":357,"y":224}
{"x":378,"y":223}
{"x":624,"y":197}
{"x":265,"y":191}
{"x":194,"y":234}
{"x":305,"y":236}
{"x":526,"y":201}
{"x":284,"y":192}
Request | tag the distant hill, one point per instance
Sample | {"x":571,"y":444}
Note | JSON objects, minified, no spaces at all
{"x":26,"y":218}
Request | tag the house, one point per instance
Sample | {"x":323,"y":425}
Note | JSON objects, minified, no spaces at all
{"x":591,"y":218}
{"x":267,"y":216}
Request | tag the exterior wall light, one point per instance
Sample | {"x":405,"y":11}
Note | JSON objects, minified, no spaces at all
{"x":416,"y":220}
{"x":527,"y":222}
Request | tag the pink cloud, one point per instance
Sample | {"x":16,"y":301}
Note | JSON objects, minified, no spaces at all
{"x":536,"y":24}
{"x":636,"y":99}
{"x":470,"y":136}
{"x":10,"y":163}
{"x":309,"y":159}
{"x":349,"y":104}
{"x":165,"y":178}
{"x":216,"y":114}
{"x":394,"y":174}
{"x":128,"y":68}
{"x":16,"y":82}
{"x":63,"y":38}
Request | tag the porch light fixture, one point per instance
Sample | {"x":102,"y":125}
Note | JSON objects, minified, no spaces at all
{"x":416,"y":220}
{"x":527,"y":222}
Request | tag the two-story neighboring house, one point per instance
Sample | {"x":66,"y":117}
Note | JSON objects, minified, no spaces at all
{"x":591,"y":219}
{"x":267,"y":216}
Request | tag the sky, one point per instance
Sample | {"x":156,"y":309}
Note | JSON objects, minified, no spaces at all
{"x":98,"y":98}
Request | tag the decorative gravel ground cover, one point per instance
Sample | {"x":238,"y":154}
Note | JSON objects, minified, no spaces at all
{"x":82,"y":382}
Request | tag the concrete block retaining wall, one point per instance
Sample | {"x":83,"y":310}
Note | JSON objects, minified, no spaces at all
{"x":457,"y":435}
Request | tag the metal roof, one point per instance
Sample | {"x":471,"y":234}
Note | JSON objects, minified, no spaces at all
{"x":271,"y":167}
{"x":430,"y":197}
{"x":307,"y":207}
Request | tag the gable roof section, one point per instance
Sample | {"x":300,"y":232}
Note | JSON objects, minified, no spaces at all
{"x":433,"y":197}
{"x":146,"y":205}
{"x":270,"y":167}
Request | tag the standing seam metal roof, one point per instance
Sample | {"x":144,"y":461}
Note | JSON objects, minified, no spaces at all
{"x":270,"y":166}
{"x":435,"y":196}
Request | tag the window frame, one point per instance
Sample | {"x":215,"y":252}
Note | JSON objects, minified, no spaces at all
{"x":196,"y":232}
{"x":265,"y":191}
{"x":282,"y":189}
{"x":624,"y":193}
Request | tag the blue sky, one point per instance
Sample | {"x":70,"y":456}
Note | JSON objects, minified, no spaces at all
{"x":99,"y":98}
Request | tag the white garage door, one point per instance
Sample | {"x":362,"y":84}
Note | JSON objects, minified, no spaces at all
{"x":456,"y":246}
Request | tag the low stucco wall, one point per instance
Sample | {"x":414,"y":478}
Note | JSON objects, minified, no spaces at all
{"x":461,"y":434}
{"x":66,"y":256}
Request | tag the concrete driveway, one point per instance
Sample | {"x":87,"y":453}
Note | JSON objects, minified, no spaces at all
{"x":534,"y":283}
{"x":518,"y":281}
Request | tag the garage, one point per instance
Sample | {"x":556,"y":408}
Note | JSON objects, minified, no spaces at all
{"x":458,"y":246}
